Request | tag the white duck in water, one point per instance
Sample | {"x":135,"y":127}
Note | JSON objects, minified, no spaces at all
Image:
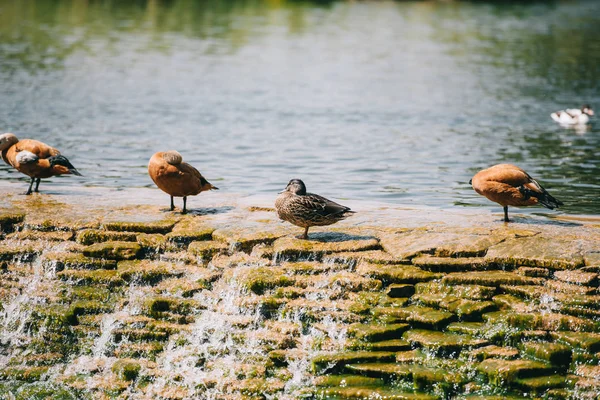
{"x":573,"y":116}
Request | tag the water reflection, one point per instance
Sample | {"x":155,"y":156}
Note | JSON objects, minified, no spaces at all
{"x":393,"y":101}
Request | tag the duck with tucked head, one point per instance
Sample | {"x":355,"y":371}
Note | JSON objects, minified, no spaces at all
{"x":304,"y":209}
{"x":509,"y":185}
{"x":573,"y":116}
{"x":176,"y":178}
{"x":34,"y":159}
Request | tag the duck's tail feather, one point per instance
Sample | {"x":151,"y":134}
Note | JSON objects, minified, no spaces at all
{"x":62,"y":160}
{"x":544,"y":198}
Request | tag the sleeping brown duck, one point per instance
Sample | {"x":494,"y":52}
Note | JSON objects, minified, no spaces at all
{"x":304,"y":209}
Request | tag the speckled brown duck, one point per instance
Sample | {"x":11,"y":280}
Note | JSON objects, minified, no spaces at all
{"x":304,"y":209}
{"x":509,"y":185}
{"x":177,"y":178}
{"x":34,"y":159}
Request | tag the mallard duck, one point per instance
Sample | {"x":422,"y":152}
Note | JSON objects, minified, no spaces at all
{"x":509,"y":185}
{"x":573,"y":116}
{"x":303,"y":209}
{"x":176,"y":178}
{"x":34,"y":159}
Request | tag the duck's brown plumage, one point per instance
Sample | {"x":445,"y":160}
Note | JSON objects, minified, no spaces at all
{"x":45,"y":161}
{"x":175,"y":177}
{"x":304,"y":209}
{"x":509,"y":185}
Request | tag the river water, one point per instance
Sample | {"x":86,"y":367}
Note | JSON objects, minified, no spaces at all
{"x":396,"y":102}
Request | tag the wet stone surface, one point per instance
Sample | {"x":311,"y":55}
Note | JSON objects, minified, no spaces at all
{"x":142,"y":303}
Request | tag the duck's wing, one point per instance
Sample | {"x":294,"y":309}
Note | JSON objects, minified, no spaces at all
{"x":42,"y":150}
{"x":320,"y":205}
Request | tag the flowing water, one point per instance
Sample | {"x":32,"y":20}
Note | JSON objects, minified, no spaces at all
{"x":398,"y":102}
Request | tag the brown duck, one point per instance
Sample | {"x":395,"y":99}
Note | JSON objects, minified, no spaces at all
{"x":175,"y":177}
{"x":509,"y":185}
{"x":34,"y":159}
{"x":307,"y":209}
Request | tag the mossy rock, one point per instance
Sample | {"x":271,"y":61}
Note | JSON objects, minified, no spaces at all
{"x":371,"y":256}
{"x":489,"y":278}
{"x":38,"y":360}
{"x":468,"y":328}
{"x":358,"y":392}
{"x":493,"y":351}
{"x":83,"y":307}
{"x":347,"y":381}
{"x":545,"y":321}
{"x":400,"y":290}
{"x":321,"y":244}
{"x":465,"y":309}
{"x":587,"y":341}
{"x":171,"y":304}
{"x":113,"y":250}
{"x":578,"y":277}
{"x":333,"y":363}
{"x":260,"y":279}
{"x":245,"y":238}
{"x":533,"y":272}
{"x":127,"y":370}
{"x":374,"y":333}
{"x":207,"y":249}
{"x":22,"y":253}
{"x":139,"y":335}
{"x":55,"y":318}
{"x":259,"y":386}
{"x":395,"y":345}
{"x":184,"y":236}
{"x":77,"y":261}
{"x":154,"y":243}
{"x":501,"y":372}
{"x":390,"y":274}
{"x":422,"y":376}
{"x":537,"y":251}
{"x":147,"y":350}
{"x":8,"y":219}
{"x":94,"y":293}
{"x":554,"y":353}
{"x":417,"y":316}
{"x":442,"y":343}
{"x":455,"y":242}
{"x":161,"y":226}
{"x":539,"y":385}
{"x":146,"y":271}
{"x":26,"y":374}
{"x":85,"y":277}
{"x":91,"y":236}
{"x":51,"y":236}
{"x":450,"y":264}
{"x":472,"y":292}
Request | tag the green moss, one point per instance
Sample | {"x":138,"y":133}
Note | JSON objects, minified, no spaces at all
{"x":450,"y":264}
{"x":396,"y":273}
{"x":23,"y":253}
{"x":472,"y":292}
{"x":85,"y":277}
{"x":589,"y":342}
{"x":290,"y":247}
{"x":140,"y":350}
{"x":358,"y":392}
{"x":502,"y":372}
{"x":417,"y":316}
{"x":90,"y":307}
{"x":373,"y":333}
{"x":384,"y":345}
{"x":146,"y":272}
{"x":333,"y":363}
{"x":77,"y":261}
{"x":347,"y":381}
{"x":260,"y":279}
{"x":540,"y":385}
{"x":146,"y":335}
{"x":467,"y":328}
{"x":207,"y":249}
{"x":554,"y":353}
{"x":442,"y":343}
{"x":489,"y":278}
{"x":493,"y":351}
{"x":186,"y":236}
{"x":127,"y":370}
{"x":400,"y":290}
{"x":10,"y":218}
{"x":27,"y":374}
{"x":113,"y":250}
{"x":91,"y":236}
{"x":170,"y":304}
{"x":163,"y":226}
